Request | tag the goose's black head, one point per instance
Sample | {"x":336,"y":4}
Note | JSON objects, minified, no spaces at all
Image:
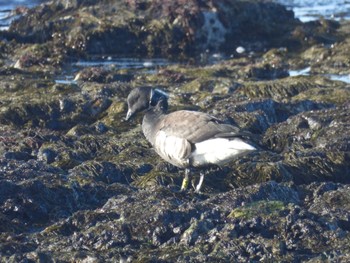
{"x":143,"y":98}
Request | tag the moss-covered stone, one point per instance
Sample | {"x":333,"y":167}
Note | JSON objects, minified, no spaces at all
{"x":264,"y":209}
{"x":155,"y":28}
{"x":78,"y":182}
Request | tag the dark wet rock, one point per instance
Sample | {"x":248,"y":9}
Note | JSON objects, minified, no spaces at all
{"x":79,"y":183}
{"x":18,"y":156}
{"x":97,"y":74}
{"x":101,"y":171}
{"x":267,"y":72}
{"x":277,"y":225}
{"x":316,"y":32}
{"x":47,"y":155}
{"x":55,"y":32}
{"x":328,"y":57}
{"x":37,"y":57}
{"x":60,"y":107}
{"x":312,"y":127}
{"x":259,"y":114}
{"x":40,"y":194}
{"x":306,"y":143}
{"x":292,"y":87}
{"x":101,"y":127}
{"x":155,"y":27}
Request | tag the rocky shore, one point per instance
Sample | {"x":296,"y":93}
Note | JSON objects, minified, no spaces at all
{"x":79,"y":184}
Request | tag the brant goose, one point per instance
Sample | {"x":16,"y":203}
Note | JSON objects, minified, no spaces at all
{"x":186,"y":139}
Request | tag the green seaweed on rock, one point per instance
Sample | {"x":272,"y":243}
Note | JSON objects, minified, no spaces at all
{"x":261,"y":208}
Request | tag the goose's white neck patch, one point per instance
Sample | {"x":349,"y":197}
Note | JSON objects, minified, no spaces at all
{"x":165,"y":94}
{"x":219,"y":151}
{"x":161,"y":92}
{"x":155,"y":94}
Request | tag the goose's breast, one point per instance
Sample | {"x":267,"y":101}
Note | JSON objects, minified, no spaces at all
{"x":173,"y":149}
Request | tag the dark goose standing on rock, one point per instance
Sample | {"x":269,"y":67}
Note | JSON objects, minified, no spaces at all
{"x":186,"y":139}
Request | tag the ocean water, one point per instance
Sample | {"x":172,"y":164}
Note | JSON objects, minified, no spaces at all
{"x":306,"y":71}
{"x":309,"y":10}
{"x":147,"y":65}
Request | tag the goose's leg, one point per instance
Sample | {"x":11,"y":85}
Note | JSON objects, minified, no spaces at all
{"x":200,"y":183}
{"x":186,"y":180}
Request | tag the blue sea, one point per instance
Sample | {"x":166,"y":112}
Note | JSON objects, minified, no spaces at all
{"x":308,"y":10}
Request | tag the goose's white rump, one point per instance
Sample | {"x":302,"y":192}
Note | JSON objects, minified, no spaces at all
{"x":219,"y":151}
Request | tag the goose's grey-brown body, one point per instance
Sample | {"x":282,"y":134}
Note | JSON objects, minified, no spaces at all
{"x":185,"y":138}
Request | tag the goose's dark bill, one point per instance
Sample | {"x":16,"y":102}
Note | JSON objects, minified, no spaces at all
{"x":186,"y":139}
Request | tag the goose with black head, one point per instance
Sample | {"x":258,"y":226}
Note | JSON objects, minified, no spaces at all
{"x":186,"y":139}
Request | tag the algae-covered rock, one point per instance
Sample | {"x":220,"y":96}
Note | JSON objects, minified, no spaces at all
{"x":331,"y":58}
{"x":289,"y":87}
{"x":79,"y":183}
{"x":171,"y":222}
{"x":316,"y":147}
{"x":154,"y":27}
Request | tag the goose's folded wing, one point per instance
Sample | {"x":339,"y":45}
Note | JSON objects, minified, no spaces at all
{"x":196,"y":126}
